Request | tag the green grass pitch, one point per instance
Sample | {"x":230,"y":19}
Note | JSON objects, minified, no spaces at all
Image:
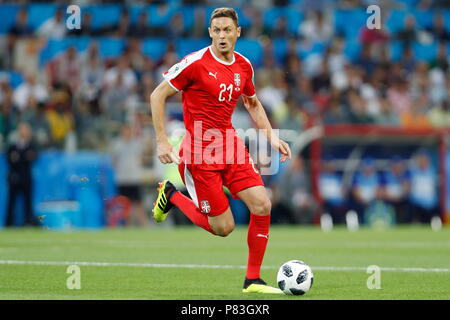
{"x":188,"y":263}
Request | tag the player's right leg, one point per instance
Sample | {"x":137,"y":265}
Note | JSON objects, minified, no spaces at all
{"x":162,"y":205}
{"x":208,"y":207}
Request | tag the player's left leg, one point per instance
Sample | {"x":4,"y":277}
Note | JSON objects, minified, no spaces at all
{"x":258,"y":202}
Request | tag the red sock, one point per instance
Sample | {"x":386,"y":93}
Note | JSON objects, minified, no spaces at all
{"x":257,"y":237}
{"x":190,"y":210}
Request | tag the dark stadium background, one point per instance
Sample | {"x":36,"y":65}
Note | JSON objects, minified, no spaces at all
{"x":377,"y":96}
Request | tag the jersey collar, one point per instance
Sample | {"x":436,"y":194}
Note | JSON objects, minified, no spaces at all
{"x":220,"y":60}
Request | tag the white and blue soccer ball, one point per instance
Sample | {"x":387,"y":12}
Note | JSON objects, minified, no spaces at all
{"x":295,"y":277}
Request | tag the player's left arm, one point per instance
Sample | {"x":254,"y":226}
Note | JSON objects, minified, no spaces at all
{"x":258,"y":114}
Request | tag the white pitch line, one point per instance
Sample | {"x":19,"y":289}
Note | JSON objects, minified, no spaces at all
{"x":202,"y":266}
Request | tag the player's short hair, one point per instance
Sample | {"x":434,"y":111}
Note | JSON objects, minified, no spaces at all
{"x":225,"y":12}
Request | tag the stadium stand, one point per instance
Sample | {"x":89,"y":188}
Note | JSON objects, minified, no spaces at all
{"x":347,"y":74}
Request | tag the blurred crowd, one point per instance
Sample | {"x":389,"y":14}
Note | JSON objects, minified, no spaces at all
{"x":400,"y":190}
{"x":81,"y":100}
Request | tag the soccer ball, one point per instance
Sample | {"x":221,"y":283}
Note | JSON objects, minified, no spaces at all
{"x":295,"y":277}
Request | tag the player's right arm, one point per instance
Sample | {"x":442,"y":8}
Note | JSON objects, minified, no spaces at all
{"x":164,"y":149}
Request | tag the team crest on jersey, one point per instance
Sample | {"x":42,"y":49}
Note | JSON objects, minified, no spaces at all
{"x":237,"y":79}
{"x":204,"y":206}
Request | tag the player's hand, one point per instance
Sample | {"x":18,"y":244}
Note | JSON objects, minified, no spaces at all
{"x":283,"y":148}
{"x":166,"y":153}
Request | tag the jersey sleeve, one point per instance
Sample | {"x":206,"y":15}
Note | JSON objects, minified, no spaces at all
{"x":180,"y":75}
{"x":249,"y":88}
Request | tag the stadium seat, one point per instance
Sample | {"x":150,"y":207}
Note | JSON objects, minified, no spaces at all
{"x":424,"y":18}
{"x":279,"y":47}
{"x":15,"y":78}
{"x":111,"y":47}
{"x":39,"y":13}
{"x":425,"y":52}
{"x":103,"y":15}
{"x":396,"y":50}
{"x":350,"y":22}
{"x":8,"y":12}
{"x":409,"y":3}
{"x":251,"y":49}
{"x":134,"y":10}
{"x":188,"y":13}
{"x":155,"y":48}
{"x":396,"y":20}
{"x":187,"y":46}
{"x":352,"y":49}
{"x":160,"y":15}
{"x":446,"y":14}
{"x":304,"y":50}
{"x":294,"y":17}
{"x":57,"y":46}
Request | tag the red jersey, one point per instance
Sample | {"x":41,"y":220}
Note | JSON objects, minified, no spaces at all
{"x":210,"y":89}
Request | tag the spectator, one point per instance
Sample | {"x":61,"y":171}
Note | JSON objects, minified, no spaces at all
{"x":9,"y":114}
{"x":55,"y":27}
{"x":399,"y":97}
{"x":396,"y":186}
{"x":416,"y":117}
{"x":409,"y":34}
{"x":303,"y":95}
{"x":366,"y":188}
{"x":408,"y":61}
{"x":439,"y":116}
{"x":169,"y":59}
{"x":280,"y":28}
{"x":387,"y":115}
{"x":316,"y":27}
{"x":273,"y":93}
{"x":29,"y":88}
{"x":65,"y":69}
{"x":35,"y":116}
{"x":292,"y":70}
{"x":321,"y":80}
{"x":337,"y":60}
{"x":120,"y":29}
{"x":356,"y":108}
{"x":348,"y":78}
{"x":86,"y":28}
{"x":441,"y":61}
{"x":177,"y":27}
{"x":60,"y":117}
{"x":373,"y":38}
{"x":365,"y":60}
{"x":334,"y":113}
{"x":127,"y":155}
{"x":297,"y":192}
{"x":370,"y":91}
{"x":21,"y":28}
{"x":20,"y":156}
{"x":424,"y":196}
{"x":91,"y":79}
{"x":143,"y":29}
{"x":123,"y":70}
{"x":438,"y":30}
{"x":332,"y":192}
{"x":256,"y":29}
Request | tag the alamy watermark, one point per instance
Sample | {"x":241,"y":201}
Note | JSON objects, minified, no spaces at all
{"x":215,"y":147}
{"x":74,"y":19}
{"x":374,"y":21}
{"x":73,"y":282}
{"x":374,"y":280}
